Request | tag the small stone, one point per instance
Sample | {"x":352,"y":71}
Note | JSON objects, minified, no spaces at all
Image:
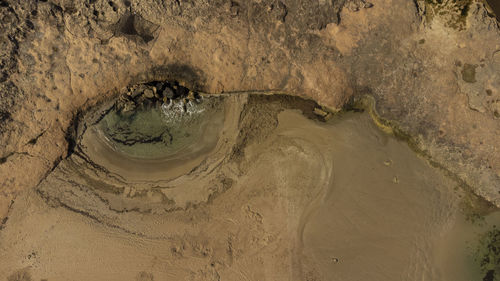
{"x":353,"y":6}
{"x":158,"y":95}
{"x":395,"y":180}
{"x":181,"y":91}
{"x":320,"y":112}
{"x":335,"y":260}
{"x":136,"y":91}
{"x":388,"y":163}
{"x":168,"y":93}
{"x":159,"y":85}
{"x":128,"y":106}
{"x":198,"y":98}
{"x":234,"y":10}
{"x":149,"y":93}
{"x":123,"y":98}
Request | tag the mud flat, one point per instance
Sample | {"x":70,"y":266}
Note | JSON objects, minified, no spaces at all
{"x":281,"y":195}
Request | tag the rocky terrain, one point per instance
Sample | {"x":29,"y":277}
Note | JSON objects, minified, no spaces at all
{"x":432,"y":68}
{"x":253,"y":190}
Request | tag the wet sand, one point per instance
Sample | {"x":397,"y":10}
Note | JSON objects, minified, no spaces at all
{"x":308,"y":200}
{"x":378,"y":218}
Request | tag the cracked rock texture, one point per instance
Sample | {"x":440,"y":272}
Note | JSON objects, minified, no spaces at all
{"x":433,"y":70}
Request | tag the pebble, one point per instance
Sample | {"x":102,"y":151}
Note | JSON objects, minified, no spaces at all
{"x":320,"y":112}
{"x":168,"y":93}
{"x":395,"y":180}
{"x":148,"y":93}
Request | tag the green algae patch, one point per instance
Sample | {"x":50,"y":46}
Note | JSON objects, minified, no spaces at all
{"x":487,"y":254}
{"x":469,"y":73}
{"x":475,"y":209}
{"x":367,"y":103}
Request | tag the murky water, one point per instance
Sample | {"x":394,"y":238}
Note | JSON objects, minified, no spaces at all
{"x":247,"y":188}
{"x":386,"y":215}
{"x":160,"y":131}
{"x":464,"y":246}
{"x":155,"y":141}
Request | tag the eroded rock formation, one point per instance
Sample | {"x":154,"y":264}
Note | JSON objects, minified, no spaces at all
{"x":432,"y":68}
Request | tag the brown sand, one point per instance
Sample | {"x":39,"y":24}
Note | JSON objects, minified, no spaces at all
{"x":301,"y":200}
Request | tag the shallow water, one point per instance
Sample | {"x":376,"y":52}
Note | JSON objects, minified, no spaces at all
{"x":276,"y":196}
{"x":153,"y":142}
{"x":161,"y":131}
{"x":385,"y":215}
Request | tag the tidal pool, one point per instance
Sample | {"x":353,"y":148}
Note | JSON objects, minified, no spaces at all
{"x":470,"y":249}
{"x":161,"y":131}
{"x":155,"y":141}
{"x":247,"y":187}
